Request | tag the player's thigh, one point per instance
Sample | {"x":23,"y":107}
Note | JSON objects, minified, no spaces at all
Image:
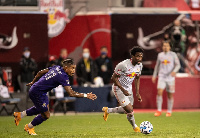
{"x":161,"y":84}
{"x":40,"y":101}
{"x":170,"y":88}
{"x":122,"y":99}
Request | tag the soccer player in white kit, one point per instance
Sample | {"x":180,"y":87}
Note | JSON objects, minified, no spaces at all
{"x":123,"y":76}
{"x":166,"y":67}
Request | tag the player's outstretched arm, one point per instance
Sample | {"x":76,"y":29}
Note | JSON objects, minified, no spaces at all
{"x":72,"y":93}
{"x":38,"y":76}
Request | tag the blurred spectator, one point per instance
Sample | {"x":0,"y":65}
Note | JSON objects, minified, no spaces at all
{"x":28,"y":66}
{"x":104,"y":65}
{"x":178,"y":37}
{"x":197,"y":63}
{"x":52,"y":61}
{"x":166,"y":37}
{"x":2,"y":80}
{"x":3,"y":88}
{"x":86,"y":69}
{"x":63,"y":56}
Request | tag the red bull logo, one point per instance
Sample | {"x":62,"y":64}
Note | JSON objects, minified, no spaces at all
{"x":133,"y":74}
{"x":165,"y":62}
{"x":57,"y":16}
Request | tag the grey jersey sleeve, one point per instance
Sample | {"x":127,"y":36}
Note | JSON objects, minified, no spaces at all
{"x":177,"y":64}
{"x":156,"y":67}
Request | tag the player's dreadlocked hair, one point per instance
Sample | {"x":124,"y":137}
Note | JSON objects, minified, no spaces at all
{"x":136,"y":49}
{"x":68,"y":62}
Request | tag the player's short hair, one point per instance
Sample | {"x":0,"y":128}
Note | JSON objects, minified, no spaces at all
{"x":136,"y":49}
{"x":167,"y":41}
{"x":103,"y":47}
{"x":68,"y":62}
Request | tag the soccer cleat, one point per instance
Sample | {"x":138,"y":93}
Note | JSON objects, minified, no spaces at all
{"x":137,"y":129}
{"x":157,"y":113}
{"x":30,"y":131}
{"x":168,"y":114}
{"x":17,"y":116}
{"x":105,"y":110}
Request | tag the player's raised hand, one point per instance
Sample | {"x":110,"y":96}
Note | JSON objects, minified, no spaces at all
{"x":30,"y":84}
{"x":91,"y":96}
{"x":139,"y":97}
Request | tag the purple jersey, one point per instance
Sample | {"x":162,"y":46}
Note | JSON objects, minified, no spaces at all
{"x":54,"y":77}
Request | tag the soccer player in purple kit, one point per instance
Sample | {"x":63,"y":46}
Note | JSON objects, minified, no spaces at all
{"x":44,"y":81}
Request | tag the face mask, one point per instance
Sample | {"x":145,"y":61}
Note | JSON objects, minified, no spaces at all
{"x":27,"y":54}
{"x":103,"y":53}
{"x":86,"y":55}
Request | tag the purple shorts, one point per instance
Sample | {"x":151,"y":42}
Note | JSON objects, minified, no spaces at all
{"x":40,"y":100}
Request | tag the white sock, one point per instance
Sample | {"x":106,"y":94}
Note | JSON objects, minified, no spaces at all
{"x":23,"y":114}
{"x":30,"y":125}
{"x":116,"y":110}
{"x":159,"y":100}
{"x":132,"y":121}
{"x":170,"y":103}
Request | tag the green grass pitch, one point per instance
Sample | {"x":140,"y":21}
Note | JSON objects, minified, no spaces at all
{"x":181,"y":124}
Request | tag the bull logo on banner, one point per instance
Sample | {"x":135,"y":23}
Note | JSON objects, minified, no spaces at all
{"x":7,"y":41}
{"x":57,"y":16}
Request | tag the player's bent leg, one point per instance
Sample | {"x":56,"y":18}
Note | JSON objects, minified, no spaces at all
{"x":107,"y":110}
{"x":29,"y":112}
{"x":36,"y":121}
{"x":130,"y":116}
{"x":119,"y":109}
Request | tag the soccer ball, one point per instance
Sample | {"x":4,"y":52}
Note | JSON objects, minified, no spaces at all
{"x":146,"y":127}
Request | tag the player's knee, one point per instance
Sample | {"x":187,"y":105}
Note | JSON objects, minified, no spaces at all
{"x":130,"y":114}
{"x":46,"y":115}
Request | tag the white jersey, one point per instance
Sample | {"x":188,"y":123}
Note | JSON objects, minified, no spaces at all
{"x":165,"y":64}
{"x":127,"y":72}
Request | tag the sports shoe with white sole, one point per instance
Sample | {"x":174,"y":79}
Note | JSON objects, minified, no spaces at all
{"x":137,"y":129}
{"x":30,"y":131}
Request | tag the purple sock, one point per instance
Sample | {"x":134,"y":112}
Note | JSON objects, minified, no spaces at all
{"x":32,"y":111}
{"x":38,"y":120}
